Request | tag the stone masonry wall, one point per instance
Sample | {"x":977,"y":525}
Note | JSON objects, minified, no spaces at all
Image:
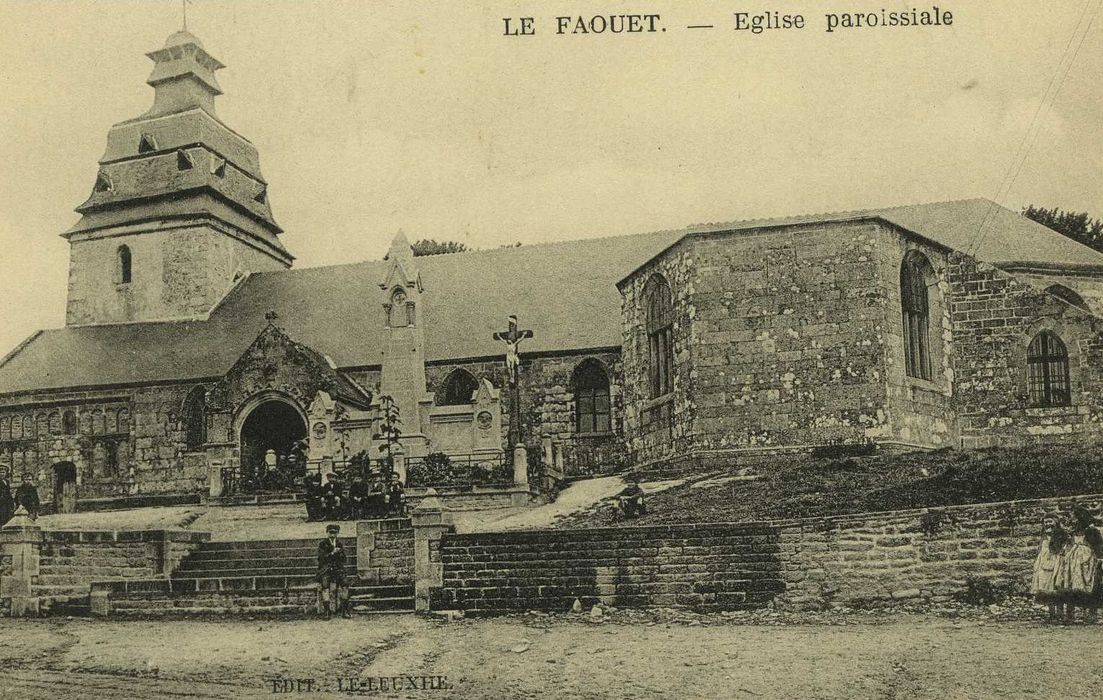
{"x":919,"y":412}
{"x":778,"y":340}
{"x":995,"y":317}
{"x":385,"y":551}
{"x":704,"y":567}
{"x":890,"y":558}
{"x":144,"y":426}
{"x":71,"y":560}
{"x":547,"y":399}
{"x":862,"y":560}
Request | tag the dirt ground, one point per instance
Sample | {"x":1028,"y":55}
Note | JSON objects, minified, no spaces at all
{"x":895,"y":656}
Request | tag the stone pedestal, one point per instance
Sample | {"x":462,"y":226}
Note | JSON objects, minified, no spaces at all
{"x":20,"y":548}
{"x":520,"y":465}
{"x":430,"y":521}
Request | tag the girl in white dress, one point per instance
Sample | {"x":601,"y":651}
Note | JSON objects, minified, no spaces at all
{"x":1047,"y":564}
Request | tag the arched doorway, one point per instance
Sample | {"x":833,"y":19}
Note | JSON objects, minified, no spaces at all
{"x":271,"y":447}
{"x":65,"y":487}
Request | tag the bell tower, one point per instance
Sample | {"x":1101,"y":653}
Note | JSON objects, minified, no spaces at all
{"x":179,"y":210}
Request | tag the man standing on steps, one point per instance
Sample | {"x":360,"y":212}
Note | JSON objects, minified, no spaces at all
{"x":331,"y":574}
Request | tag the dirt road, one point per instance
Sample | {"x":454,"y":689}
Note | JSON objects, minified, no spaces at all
{"x":897,"y":657}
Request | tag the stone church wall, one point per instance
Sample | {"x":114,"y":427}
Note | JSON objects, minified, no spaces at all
{"x":777,"y":342}
{"x":143,"y":425}
{"x":548,"y":404}
{"x":995,"y":316}
{"x":919,"y":412}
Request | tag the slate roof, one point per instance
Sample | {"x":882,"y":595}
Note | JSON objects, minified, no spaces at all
{"x":564,"y":292}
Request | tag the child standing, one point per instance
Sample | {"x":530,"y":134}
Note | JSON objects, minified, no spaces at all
{"x":1048,"y":564}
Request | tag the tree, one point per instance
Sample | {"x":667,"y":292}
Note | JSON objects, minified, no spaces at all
{"x":389,"y":432}
{"x":428,"y":246}
{"x":1079,"y":227}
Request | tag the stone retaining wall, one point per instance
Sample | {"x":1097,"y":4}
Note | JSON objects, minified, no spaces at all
{"x":704,"y":567}
{"x":38,"y":567}
{"x":864,"y":560}
{"x":883,"y":559}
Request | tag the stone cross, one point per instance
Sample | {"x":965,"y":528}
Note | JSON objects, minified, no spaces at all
{"x":512,"y":339}
{"x":271,"y":317}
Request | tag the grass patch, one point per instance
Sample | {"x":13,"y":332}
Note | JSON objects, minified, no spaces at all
{"x":802,"y":487}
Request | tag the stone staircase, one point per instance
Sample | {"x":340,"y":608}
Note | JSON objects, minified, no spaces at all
{"x":260,"y":577}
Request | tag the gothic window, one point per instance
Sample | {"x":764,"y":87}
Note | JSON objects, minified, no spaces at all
{"x":110,"y":458}
{"x":183,"y":161}
{"x":69,"y":423}
{"x":16,"y":427}
{"x":915,"y":306}
{"x":1048,"y":361}
{"x":125,"y":272}
{"x":5,"y":429}
{"x":660,"y":336}
{"x":55,"y":422}
{"x":1068,"y":296}
{"x":124,"y":420}
{"x":458,"y":389}
{"x":99,"y":425}
{"x":146,"y":144}
{"x":591,"y":396}
{"x":42,"y":424}
{"x":195,"y":419}
{"x":28,"y":427}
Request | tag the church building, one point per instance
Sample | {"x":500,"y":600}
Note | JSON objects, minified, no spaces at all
{"x":193,"y":349}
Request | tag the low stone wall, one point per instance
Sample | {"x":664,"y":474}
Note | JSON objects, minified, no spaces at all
{"x":38,"y":567}
{"x":883,"y":559}
{"x":385,"y":551}
{"x":475,"y":497}
{"x":703,"y":567}
{"x":865,"y":560}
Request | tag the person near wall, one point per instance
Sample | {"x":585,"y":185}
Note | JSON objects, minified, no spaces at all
{"x":1079,"y":577}
{"x":313,"y":487}
{"x":1048,"y":563}
{"x":630,"y":500}
{"x":359,"y":498}
{"x":7,"y":502}
{"x":331,"y":574}
{"x":27,"y":496}
{"x":333,"y":502}
{"x":396,"y":497}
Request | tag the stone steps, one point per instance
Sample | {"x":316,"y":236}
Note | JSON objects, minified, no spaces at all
{"x":260,"y":577}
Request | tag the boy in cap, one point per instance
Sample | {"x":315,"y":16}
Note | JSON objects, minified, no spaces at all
{"x":331,"y":573}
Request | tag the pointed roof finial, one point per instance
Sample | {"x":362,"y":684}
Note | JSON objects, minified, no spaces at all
{"x":271,"y":317}
{"x":184,"y":9}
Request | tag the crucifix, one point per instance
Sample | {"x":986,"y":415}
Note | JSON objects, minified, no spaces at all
{"x":512,"y":339}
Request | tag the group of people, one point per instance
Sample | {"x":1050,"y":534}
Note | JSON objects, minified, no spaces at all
{"x":26,"y":495}
{"x":376,"y":495}
{"x":1067,"y":569}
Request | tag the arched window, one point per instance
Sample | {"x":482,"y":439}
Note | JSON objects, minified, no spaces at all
{"x":1068,"y":296}
{"x":28,"y":427}
{"x":195,"y":419}
{"x":916,"y":307}
{"x":660,"y":335}
{"x":591,"y":396}
{"x":110,"y":458}
{"x":69,"y":423}
{"x":458,"y":389}
{"x":124,"y":265}
{"x":55,"y":422}
{"x":1048,"y":361}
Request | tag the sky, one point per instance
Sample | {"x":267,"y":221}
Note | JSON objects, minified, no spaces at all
{"x":371,"y":117}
